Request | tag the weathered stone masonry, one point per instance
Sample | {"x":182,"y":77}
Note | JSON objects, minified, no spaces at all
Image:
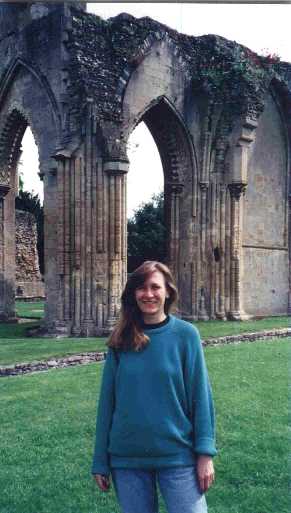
{"x":28,"y":279}
{"x":220,"y":116}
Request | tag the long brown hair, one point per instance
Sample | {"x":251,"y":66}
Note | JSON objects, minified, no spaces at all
{"x":128,"y":333}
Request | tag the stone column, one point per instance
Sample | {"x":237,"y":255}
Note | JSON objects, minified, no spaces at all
{"x":174,"y":191}
{"x":237,"y":186}
{"x":49,"y":170}
{"x":7,"y":253}
{"x":202,"y":313}
{"x":2,"y":287}
{"x":88,"y":207}
{"x":76,"y":264}
{"x":236,"y":312}
{"x":62,"y":324}
{"x":116,"y":192}
{"x":289,"y":246}
{"x":220,"y":314}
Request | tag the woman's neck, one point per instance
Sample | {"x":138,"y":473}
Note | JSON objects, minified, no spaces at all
{"x":154,"y":319}
{"x":155,"y":325}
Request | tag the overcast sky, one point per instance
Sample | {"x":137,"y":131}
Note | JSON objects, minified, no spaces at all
{"x":264,"y":28}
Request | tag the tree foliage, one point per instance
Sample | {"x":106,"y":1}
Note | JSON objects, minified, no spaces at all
{"x":147,"y":233}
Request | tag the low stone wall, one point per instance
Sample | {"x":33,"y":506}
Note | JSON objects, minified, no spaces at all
{"x":84,"y":358}
{"x":68,"y":361}
{"x":248,"y":337}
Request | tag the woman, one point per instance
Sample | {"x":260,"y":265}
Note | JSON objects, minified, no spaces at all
{"x":155,"y":421}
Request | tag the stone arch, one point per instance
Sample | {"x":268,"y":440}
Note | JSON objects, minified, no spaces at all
{"x":24,"y":92}
{"x":11,"y":75}
{"x":82,"y":84}
{"x":10,"y":142}
{"x":10,"y":152}
{"x":142,"y":51}
{"x":179,"y":162}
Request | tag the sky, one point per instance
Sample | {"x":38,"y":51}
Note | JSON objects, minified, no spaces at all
{"x":265,"y":28}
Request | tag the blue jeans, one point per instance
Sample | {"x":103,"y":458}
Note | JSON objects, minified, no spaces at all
{"x":136,"y":490}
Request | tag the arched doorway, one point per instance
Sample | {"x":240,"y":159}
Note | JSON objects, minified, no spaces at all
{"x":145,"y":200}
{"x":14,"y":122}
{"x":29,"y":223}
{"x":10,"y":143}
{"x":180,"y":197}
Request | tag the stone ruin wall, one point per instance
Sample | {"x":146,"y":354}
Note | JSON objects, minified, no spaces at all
{"x":265,"y":218}
{"x":82,"y":84}
{"x":29,"y":282}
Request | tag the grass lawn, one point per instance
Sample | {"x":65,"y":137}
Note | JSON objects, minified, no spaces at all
{"x":31,"y":309}
{"x":48,"y":424}
{"x":215,"y":329}
{"x":15,"y":347}
{"x":20,"y":349}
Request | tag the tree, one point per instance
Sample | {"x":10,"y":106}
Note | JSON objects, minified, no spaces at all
{"x":147,"y":233}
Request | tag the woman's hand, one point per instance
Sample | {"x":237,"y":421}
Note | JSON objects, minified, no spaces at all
{"x":102,"y":481}
{"x":205,"y":472}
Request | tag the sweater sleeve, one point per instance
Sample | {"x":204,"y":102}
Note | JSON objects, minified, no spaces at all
{"x":105,"y":411}
{"x":203,"y":415}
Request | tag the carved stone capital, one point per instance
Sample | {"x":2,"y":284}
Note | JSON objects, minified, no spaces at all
{"x":175,"y":187}
{"x":62,"y":155}
{"x":248,"y":130}
{"x":116,"y":148}
{"x":116,"y":167}
{"x":236,"y":190}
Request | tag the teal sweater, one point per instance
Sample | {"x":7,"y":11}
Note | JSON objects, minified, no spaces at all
{"x":155,"y":408}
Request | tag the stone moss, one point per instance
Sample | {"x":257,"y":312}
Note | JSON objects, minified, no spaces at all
{"x":101,"y":52}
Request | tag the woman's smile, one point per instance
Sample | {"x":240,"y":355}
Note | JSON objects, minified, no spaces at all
{"x":151,"y":297}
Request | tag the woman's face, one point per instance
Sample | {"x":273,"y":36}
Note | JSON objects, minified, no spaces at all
{"x":150,"y":298}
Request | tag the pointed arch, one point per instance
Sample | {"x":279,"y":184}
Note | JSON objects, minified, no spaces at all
{"x":180,"y":164}
{"x":10,"y":143}
{"x":142,"y":51}
{"x":9,"y":78}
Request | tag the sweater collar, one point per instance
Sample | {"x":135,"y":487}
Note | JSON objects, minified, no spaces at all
{"x":146,"y":326}
{"x":164,"y":327}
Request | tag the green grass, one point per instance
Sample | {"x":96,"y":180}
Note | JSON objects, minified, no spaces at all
{"x":222,"y":328}
{"x":13,"y":331}
{"x":20,"y":350}
{"x":48,"y":424}
{"x":16,"y":347}
{"x":250,"y":381}
{"x":30,"y":309}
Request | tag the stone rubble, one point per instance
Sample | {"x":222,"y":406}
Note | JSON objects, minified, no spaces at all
{"x":68,"y":361}
{"x":248,"y":337}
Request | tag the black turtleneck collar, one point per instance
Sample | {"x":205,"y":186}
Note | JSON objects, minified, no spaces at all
{"x":146,"y":326}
